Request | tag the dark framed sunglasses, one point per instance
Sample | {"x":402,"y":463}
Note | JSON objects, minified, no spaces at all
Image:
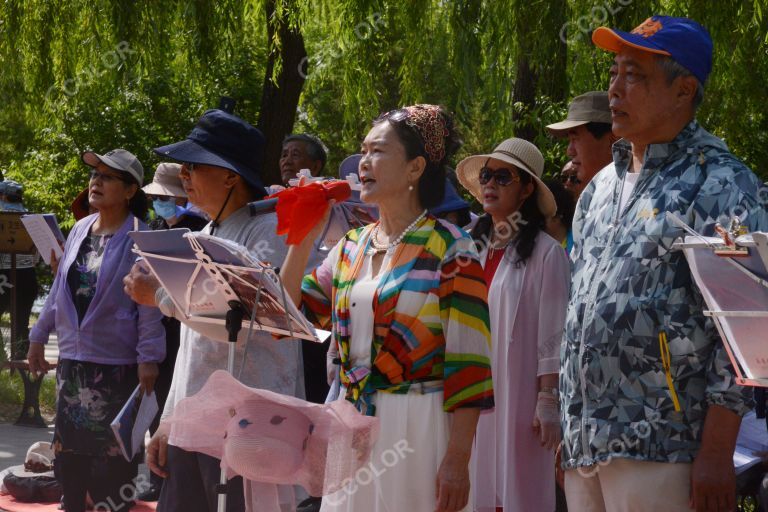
{"x":570,"y":178}
{"x":503,"y":176}
{"x":160,"y":198}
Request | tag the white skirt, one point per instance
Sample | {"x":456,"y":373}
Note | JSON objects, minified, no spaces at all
{"x":403,"y":467}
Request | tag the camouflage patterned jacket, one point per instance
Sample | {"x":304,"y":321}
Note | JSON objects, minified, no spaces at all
{"x":632,"y":298}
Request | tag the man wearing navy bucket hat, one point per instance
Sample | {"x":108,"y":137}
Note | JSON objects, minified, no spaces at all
{"x":221,"y":161}
{"x":651,"y":408}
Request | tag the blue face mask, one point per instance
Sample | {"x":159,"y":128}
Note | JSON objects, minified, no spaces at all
{"x":165,"y":209}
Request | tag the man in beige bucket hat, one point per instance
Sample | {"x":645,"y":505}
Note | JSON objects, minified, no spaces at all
{"x":588,"y":129}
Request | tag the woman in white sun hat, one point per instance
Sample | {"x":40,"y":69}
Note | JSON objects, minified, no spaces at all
{"x":528,"y":279}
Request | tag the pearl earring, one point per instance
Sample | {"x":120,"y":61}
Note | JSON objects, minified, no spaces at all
{"x":410,"y":188}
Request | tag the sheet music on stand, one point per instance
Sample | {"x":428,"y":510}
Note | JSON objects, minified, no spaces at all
{"x":735,"y":290}
{"x":203,"y":274}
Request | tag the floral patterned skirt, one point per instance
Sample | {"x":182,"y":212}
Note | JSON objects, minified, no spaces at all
{"x":89,"y":397}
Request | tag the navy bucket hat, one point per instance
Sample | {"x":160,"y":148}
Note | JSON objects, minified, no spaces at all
{"x":452,"y":201}
{"x":223,"y":140}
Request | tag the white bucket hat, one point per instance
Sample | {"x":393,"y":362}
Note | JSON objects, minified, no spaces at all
{"x":166,"y":181}
{"x":518,"y":152}
{"x":38,"y":462}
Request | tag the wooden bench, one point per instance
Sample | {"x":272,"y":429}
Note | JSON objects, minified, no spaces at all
{"x":30,"y":412}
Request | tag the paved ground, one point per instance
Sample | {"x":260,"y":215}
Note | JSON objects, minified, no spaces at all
{"x":14,"y":440}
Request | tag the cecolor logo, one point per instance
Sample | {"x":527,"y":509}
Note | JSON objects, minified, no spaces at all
{"x":648,"y":28}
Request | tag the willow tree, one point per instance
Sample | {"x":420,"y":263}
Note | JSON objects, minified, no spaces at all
{"x":107,"y":73}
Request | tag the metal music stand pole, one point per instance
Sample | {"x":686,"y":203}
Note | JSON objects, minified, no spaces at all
{"x":234,"y":323}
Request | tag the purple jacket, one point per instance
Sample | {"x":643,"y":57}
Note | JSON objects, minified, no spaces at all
{"x":115,"y":330}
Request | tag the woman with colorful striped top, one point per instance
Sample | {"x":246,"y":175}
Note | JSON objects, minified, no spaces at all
{"x":407,"y":303}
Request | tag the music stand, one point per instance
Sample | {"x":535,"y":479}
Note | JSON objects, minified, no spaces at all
{"x":735,"y":289}
{"x":214,"y":284}
{"x":14,"y":240}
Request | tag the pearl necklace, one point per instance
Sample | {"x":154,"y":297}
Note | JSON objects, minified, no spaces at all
{"x":377,"y":247}
{"x":494,"y":246}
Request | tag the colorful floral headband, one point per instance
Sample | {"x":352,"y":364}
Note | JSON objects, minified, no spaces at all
{"x":429,"y":123}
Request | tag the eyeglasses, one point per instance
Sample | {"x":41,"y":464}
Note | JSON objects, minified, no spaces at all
{"x":160,"y":198}
{"x":502,"y":176}
{"x":106,"y":178}
{"x":570,"y":178}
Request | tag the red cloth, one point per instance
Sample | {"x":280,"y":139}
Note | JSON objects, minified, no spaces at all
{"x":492,"y":260}
{"x":299,"y":209}
{"x":9,"y":503}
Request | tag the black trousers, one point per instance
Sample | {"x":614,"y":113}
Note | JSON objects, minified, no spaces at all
{"x":191,"y":484}
{"x":109,"y":481}
{"x":164,"y":379}
{"x":315,"y":375}
{"x":26,"y":293}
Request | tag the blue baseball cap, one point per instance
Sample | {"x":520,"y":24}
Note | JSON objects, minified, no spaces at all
{"x":12,"y":190}
{"x":682,"y":39}
{"x":349,"y":165}
{"x":451,"y":201}
{"x":223,"y":140}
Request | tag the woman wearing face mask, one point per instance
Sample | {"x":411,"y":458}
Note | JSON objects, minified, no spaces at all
{"x":406,"y":300}
{"x":168,"y":196}
{"x":168,"y":200}
{"x":528,"y":279}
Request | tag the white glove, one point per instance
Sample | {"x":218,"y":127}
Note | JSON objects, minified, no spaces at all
{"x":546,"y":420}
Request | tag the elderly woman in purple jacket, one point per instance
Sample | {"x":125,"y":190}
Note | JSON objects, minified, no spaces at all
{"x":107,"y":343}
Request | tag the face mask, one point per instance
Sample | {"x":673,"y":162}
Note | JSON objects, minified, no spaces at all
{"x":165,"y":209}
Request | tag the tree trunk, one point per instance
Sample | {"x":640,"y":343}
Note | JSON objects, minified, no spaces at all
{"x":280,"y":97}
{"x":525,"y":93}
{"x":554,"y":79}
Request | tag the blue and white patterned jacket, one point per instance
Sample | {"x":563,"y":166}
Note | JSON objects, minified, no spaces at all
{"x":628,"y":288}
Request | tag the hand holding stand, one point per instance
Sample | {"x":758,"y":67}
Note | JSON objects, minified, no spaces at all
{"x":234,"y":323}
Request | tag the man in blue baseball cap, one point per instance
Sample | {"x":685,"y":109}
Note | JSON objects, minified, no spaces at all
{"x":220,"y":172}
{"x":651,"y":408}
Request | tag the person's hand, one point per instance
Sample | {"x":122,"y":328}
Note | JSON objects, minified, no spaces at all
{"x":332,"y":368}
{"x":141,"y":285}
{"x":452,"y":483}
{"x":713,"y":481}
{"x":559,"y":473}
{"x":546,"y":420}
{"x":54,"y":263}
{"x":318,"y":228}
{"x":148,"y":373}
{"x":157,"y":450}
{"x":36,"y":359}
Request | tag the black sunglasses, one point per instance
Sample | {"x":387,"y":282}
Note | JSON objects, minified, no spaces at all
{"x":570,"y":178}
{"x":502,"y":176}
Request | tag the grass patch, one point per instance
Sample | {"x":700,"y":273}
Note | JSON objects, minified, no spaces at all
{"x":12,"y":396}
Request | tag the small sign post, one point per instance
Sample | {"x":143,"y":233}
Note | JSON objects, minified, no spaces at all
{"x":14,"y":240}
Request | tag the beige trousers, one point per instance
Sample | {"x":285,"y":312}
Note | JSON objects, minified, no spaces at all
{"x":624,"y":485}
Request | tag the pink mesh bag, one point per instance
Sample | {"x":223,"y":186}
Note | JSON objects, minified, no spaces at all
{"x":272,"y":438}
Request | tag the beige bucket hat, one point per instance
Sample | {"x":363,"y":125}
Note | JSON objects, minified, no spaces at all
{"x":591,"y":107}
{"x":518,"y":152}
{"x":166,"y":182}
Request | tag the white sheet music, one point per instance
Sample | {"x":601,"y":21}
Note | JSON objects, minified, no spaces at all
{"x":203,"y":273}
{"x":45,"y":233}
